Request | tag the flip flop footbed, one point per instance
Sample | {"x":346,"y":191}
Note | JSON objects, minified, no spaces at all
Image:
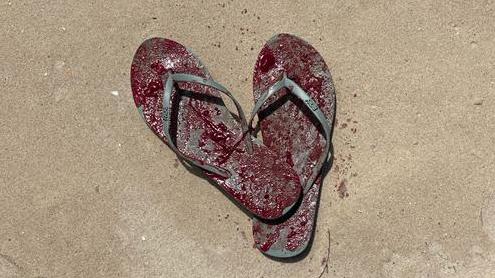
{"x":289,"y":128}
{"x":204,"y":130}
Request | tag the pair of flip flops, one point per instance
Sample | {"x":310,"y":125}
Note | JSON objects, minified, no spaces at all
{"x":278,"y":180}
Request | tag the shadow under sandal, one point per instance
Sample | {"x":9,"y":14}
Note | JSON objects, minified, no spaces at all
{"x":181,"y":103}
{"x":294,"y":90}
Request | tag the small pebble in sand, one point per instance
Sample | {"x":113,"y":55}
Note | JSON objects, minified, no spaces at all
{"x":59,"y":65}
{"x":143,"y":238}
{"x":115,"y":93}
{"x":478,"y":101}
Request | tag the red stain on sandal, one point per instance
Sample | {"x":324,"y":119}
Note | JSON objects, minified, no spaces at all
{"x":266,"y":61}
{"x":291,"y":131}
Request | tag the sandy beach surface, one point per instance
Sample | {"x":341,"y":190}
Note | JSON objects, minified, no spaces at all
{"x":87,"y":190}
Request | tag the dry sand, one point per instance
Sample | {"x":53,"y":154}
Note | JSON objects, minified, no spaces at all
{"x":87,"y":190}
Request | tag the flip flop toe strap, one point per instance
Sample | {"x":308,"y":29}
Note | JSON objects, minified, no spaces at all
{"x":296,"y":90}
{"x":168,"y":83}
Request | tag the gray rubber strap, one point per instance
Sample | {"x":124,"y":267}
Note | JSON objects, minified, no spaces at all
{"x":285,"y":82}
{"x":168,"y":84}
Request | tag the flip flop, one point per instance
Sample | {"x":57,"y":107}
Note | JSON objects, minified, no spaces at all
{"x":293,"y":86}
{"x":181,"y":103}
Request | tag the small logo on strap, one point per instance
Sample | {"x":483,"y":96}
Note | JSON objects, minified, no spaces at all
{"x":166,"y":114}
{"x":311,"y":104}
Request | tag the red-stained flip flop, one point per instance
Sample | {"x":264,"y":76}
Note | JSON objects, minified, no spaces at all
{"x":294,"y":89}
{"x":182,"y":104}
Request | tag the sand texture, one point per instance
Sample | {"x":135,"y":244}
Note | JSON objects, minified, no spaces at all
{"x":87,"y":190}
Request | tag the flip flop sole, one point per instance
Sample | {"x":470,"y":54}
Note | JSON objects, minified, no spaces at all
{"x":289,"y":129}
{"x":204,"y":130}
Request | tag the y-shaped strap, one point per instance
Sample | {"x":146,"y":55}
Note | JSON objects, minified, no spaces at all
{"x":182,"y":77}
{"x":313,"y":107}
